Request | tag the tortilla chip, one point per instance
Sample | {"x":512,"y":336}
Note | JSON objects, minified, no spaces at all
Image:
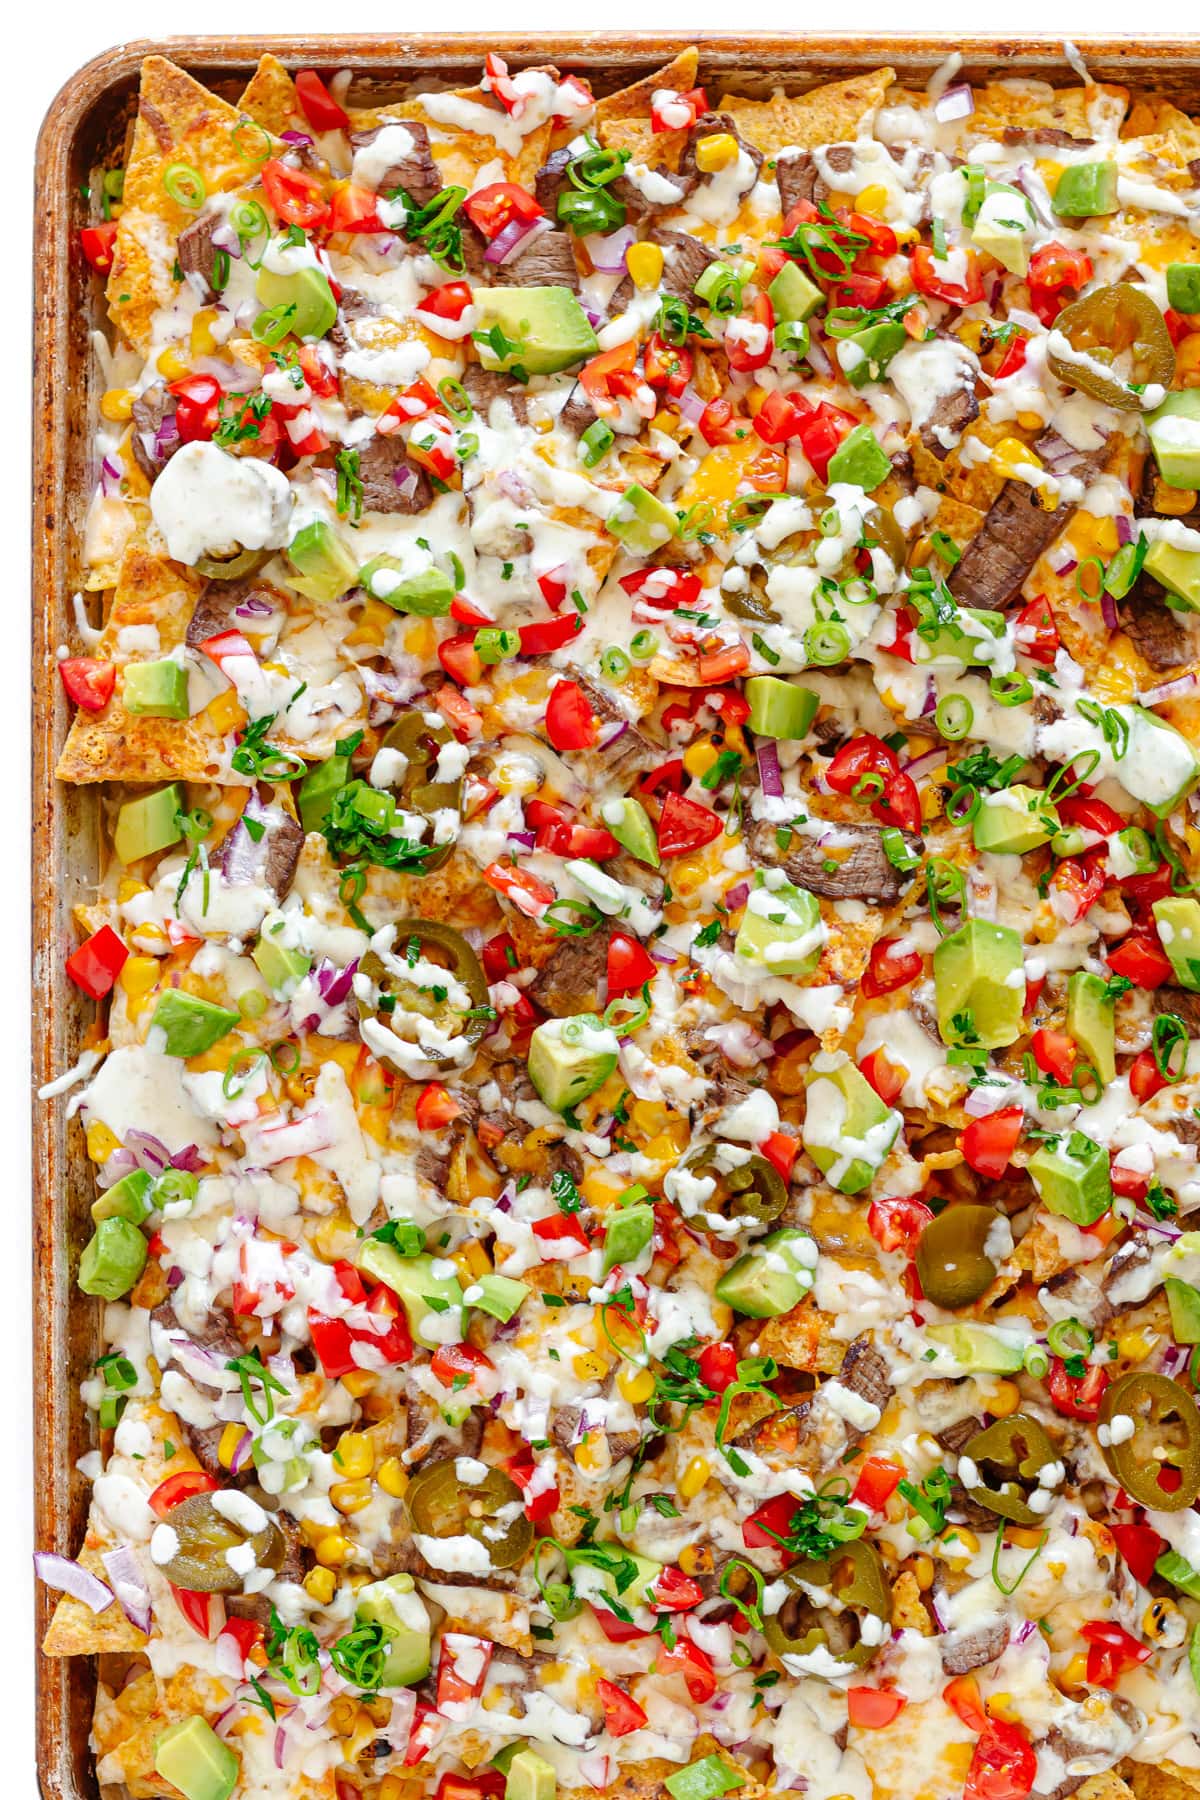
{"x":908,"y":1610}
{"x":633,"y":1781}
{"x":75,"y":1630}
{"x":1095,"y":111}
{"x":801,"y":1339}
{"x":178,"y":121}
{"x":188,"y":1693}
{"x":1105,"y":1786}
{"x":1160,"y":1781}
{"x":833,"y":114}
{"x":974,"y":484}
{"x":460,"y":154}
{"x":270,"y":98}
{"x":623,"y":118}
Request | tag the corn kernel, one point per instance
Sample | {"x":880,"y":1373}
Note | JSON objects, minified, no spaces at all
{"x":203,"y":341}
{"x":230,"y":1438}
{"x":873,"y":200}
{"x":172,"y":364}
{"x":1025,"y":1537}
{"x":923,"y":1573}
{"x":1075,"y":1673}
{"x":225,"y":710}
{"x":394,"y":1787}
{"x":699,"y":758}
{"x":694,"y":1477}
{"x":645,"y":264}
{"x":716,"y":152}
{"x":592,"y":1452}
{"x":958,"y":1543}
{"x":392,"y":1477}
{"x":354,"y":1456}
{"x":358,"y":1382}
{"x":635,"y":1385}
{"x":350,"y":1496}
{"x":1004,"y":1399}
{"x":477,"y":1259}
{"x":116,"y":404}
{"x":589,"y":1366}
{"x":100,"y":1141}
{"x":1000,"y":1706}
{"x":1173,"y":499}
{"x":138,"y":975}
{"x":320,"y":1585}
{"x":970,"y":333}
{"x":1030,"y":421}
{"x":1159,"y":1619}
{"x":334,"y":1550}
{"x":1133,"y":1346}
{"x":1010,"y":456}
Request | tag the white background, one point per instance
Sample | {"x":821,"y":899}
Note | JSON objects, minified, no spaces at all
{"x":44,"y":44}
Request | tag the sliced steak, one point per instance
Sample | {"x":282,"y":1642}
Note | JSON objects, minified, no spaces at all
{"x":415,"y":172}
{"x":218,"y":1337}
{"x":1180,"y":1001}
{"x":708,"y":125}
{"x":578,"y":413}
{"x":486,"y":385}
{"x":726,"y":1089}
{"x":1044,"y":134}
{"x":1017,"y":530}
{"x":552,"y":180}
{"x":549,"y":261}
{"x":962,"y":1651}
{"x":216,"y":609}
{"x":1165,"y":638}
{"x":391,"y":484}
{"x":685,"y":260}
{"x":856,"y":867}
{"x":1131,"y":1276}
{"x":626,"y":756}
{"x":570,"y":1422}
{"x":425,"y":1427}
{"x":569,"y":980}
{"x":1071,"y":1294}
{"x":796,"y":174}
{"x":271,"y":857}
{"x":150,"y":411}
{"x":196,"y":255}
{"x":951,"y":415}
{"x":864,"y":1372}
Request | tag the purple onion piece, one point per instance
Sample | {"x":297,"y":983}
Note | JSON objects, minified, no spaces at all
{"x":1125,"y":531}
{"x":769,"y":776}
{"x":611,"y":733}
{"x":405,"y":478}
{"x":69,"y":1577}
{"x":957,"y":102}
{"x":129,"y":1585}
{"x":174,"y":1278}
{"x":149,"y":1152}
{"x":253,"y":608}
{"x":188,"y":1159}
{"x":737,"y":896}
{"x":300,"y":139}
{"x":1108,"y":609}
{"x":691,"y":405}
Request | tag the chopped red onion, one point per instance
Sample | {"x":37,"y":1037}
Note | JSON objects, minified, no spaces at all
{"x":924,"y":764}
{"x":280,"y":1745}
{"x":691,"y":405}
{"x":665,"y":957}
{"x":1168,"y":690}
{"x":301,"y":139}
{"x":406,"y":479}
{"x":110,"y":477}
{"x":114,"y":1167}
{"x":174,"y":1277}
{"x":608,"y":252}
{"x":770,"y":779}
{"x":514,"y":237}
{"x":253,"y":608}
{"x":818,"y":357}
{"x":957,"y":102}
{"x":129,"y":1585}
{"x":526,"y":838}
{"x":1108,"y":609}
{"x":981,"y":1102}
{"x":69,"y":1577}
{"x":930,"y":702}
{"x":739,"y":895}
{"x":188,"y":1159}
{"x":1125,"y":529}
{"x":1037,"y":194}
{"x":149,"y":1152}
{"x":224,"y":237}
{"x":612,"y":733}
{"x":241,"y":1454}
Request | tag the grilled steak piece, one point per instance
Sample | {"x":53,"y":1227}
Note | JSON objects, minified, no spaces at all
{"x":965,"y":1650}
{"x":149,"y":412}
{"x":864,"y":1372}
{"x":271,"y":858}
{"x":951,"y":415}
{"x":629,"y":754}
{"x":1165,"y":638}
{"x":485,"y":385}
{"x":1184,"y":1004}
{"x":855,"y":867}
{"x":415,"y":172}
{"x":685,"y":261}
{"x":196,"y":255}
{"x":391,"y":484}
{"x":569,"y":980}
{"x":552,"y":180}
{"x":712,"y":124}
{"x":549,"y":261}
{"x":1017,"y":530}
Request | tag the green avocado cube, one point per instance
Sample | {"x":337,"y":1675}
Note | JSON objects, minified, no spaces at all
{"x":530,"y":1777}
{"x":570,"y":1058}
{"x":1159,"y":766}
{"x":1174,"y":432}
{"x":128,"y":1198}
{"x":1013,"y":820}
{"x":191,"y":1025}
{"x":307,"y":292}
{"x":1091,"y":1021}
{"x":1178,"y":571}
{"x":1178,"y":921}
{"x":499,"y":1296}
{"x":964,"y":639}
{"x":772,"y":1277}
{"x":859,"y":460}
{"x":149,"y":824}
{"x":1071,"y":1175}
{"x":1184,"y":1303}
{"x":427,"y":593}
{"x":316,"y":792}
{"x":979,"y":1347}
{"x":626,"y":1236}
{"x":112,"y":1259}
{"x":191,"y":1756}
{"x":707,"y":1779}
{"x":395,"y":1605}
{"x":979,"y":979}
{"x":778,"y":708}
{"x":642,"y":522}
{"x":1183,"y":288}
{"x":848,"y":1130}
{"x":864,"y":355}
{"x":155,"y":690}
{"x":425,"y":1294}
{"x":536,"y":329}
{"x":1086,"y":190}
{"x":1000,"y":226}
{"x":632,"y":827}
{"x":781,"y":929}
{"x":793,"y":295}
{"x":282,"y":968}
{"x":323,"y":567}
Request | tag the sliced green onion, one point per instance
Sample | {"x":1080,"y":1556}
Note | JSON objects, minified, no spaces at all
{"x":1081,"y":586}
{"x":251,"y":141}
{"x":697,"y":520}
{"x":1010,"y":690}
{"x":595,"y":210}
{"x":792,"y":337}
{"x":252,"y":1004}
{"x":897,"y":851}
{"x":720,"y":288}
{"x":455,"y":399}
{"x":1036,"y":1362}
{"x":945,"y":548}
{"x":1125,"y":568}
{"x":174,"y":1187}
{"x":185,"y":185}
{"x":272,"y":325}
{"x":1170,"y":1034}
{"x":615,"y":663}
{"x":596,"y":442}
{"x":285,"y":1057}
{"x":249,"y":221}
{"x":954,"y":716}
{"x":826,"y":644}
{"x":643,"y":644}
{"x":493,"y":644}
{"x":618,"y":1019}
{"x":1069,"y":1337}
{"x":566,"y":926}
{"x":239,"y":1071}
{"x":219,"y":278}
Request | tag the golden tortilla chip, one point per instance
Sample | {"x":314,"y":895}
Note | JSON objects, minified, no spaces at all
{"x":1160,"y":1781}
{"x":801,"y":1339}
{"x":908,"y":1611}
{"x":459,"y":152}
{"x":186,"y":1694}
{"x":1026,"y":105}
{"x":270,"y":98}
{"x":976,"y":484}
{"x":832,"y":114}
{"x":75,"y":1630}
{"x":623,"y":118}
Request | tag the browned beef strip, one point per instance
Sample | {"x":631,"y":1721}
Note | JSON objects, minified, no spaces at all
{"x":512,"y":1078}
{"x":684,"y":264}
{"x":711,"y":124}
{"x":1103,"y":1749}
{"x":861,"y":873}
{"x":1180,"y":1001}
{"x":564,"y":1429}
{"x":218,"y":1336}
{"x":1017,"y":530}
{"x":630,"y":754}
{"x":902,"y":469}
{"x":354,"y":304}
{"x":1166,"y":639}
{"x":864,"y":1371}
{"x":1087,"y":1303}
{"x":196,"y":254}
{"x":950,"y":417}
{"x":269,"y":858}
{"x":578,"y":413}
{"x":1043,"y":134}
{"x":796,"y":174}
{"x":1131,"y":1259}
{"x":569,"y":980}
{"x":485,"y":385}
{"x":216,"y":608}
{"x":956,"y":1437}
{"x":726,"y":1088}
{"x":552,"y":180}
{"x":380,"y":460}
{"x":549,"y":261}
{"x":416,"y":173}
{"x":148,"y":413}
{"x":965,"y":1650}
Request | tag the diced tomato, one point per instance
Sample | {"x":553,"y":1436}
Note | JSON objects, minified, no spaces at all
{"x":427,"y":1727}
{"x":673,"y":1591}
{"x":718,"y":1366}
{"x":1111,"y":1651}
{"x":464,"y":721}
{"x":857,"y":288}
{"x":435,"y":456}
{"x":864,"y":757}
{"x":417,"y":401}
{"x":903,"y":624}
{"x":94,"y":967}
{"x":1076,"y":1396}
{"x":354,"y":208}
{"x":1142,"y":960}
{"x":987,"y":1144}
{"x":617,"y":1631}
{"x":553,"y":586}
{"x":450,"y":301}
{"x":662,"y":587}
{"x":677,"y":111}
{"x":96,"y":242}
{"x":1145,"y":1078}
{"x":780,"y":416}
{"x":463,"y":1663}
{"x":881,"y":238}
{"x":668,"y":775}
{"x":547,"y":635}
{"x":203,"y":1612}
{"x":884,"y":1076}
{"x":1055,"y":276}
{"x":570,"y":721}
{"x":1128,"y":1184}
{"x":540,"y":1504}
{"x":689,"y":1660}
{"x":319,"y":106}
{"x":610,"y":376}
{"x":457,"y":1365}
{"x":247,"y":1634}
{"x":1140,"y":1547}
{"x":622,"y":1714}
{"x":460,"y":659}
{"x":89,"y":682}
{"x":1180,"y":325}
{"x":630,"y":965}
{"x":294,"y":195}
{"x":877,"y":1481}
{"x":899,"y":803}
{"x":500,"y":960}
{"x":436,"y":1106}
{"x":897,"y":1223}
{"x":562,"y":1229}
{"x":1004,"y":1765}
{"x":780,"y":1150}
{"x":1036,"y":635}
{"x":1013,"y":359}
{"x":750,"y":342}
{"x":177,"y":1488}
{"x":527,"y":893}
{"x":1080,"y":881}
{"x":1090,"y":814}
{"x":1141,"y":891}
{"x":485,"y":1784}
{"x":889,"y":968}
{"x":666,"y":365}
{"x":926,"y":280}
{"x":963,"y":1697}
{"x":491,"y":208}
{"x":197,"y":406}
{"x":1055,"y":1054}
{"x":870,"y":1709}
{"x":684,"y":826}
{"x":717,"y":424}
{"x":770,"y":1522}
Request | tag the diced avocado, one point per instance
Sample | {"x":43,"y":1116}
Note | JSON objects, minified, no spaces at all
{"x":1183,"y":290}
{"x":772,"y":1277}
{"x":1091,"y":1021}
{"x":1013,"y":820}
{"x":642,"y":522}
{"x":530,"y":1777}
{"x":1179,"y":1572}
{"x":979,"y":977}
{"x":1072,"y":1178}
{"x":112,"y":1259}
{"x":1178,"y":571}
{"x":570,"y":1058}
{"x":1159,"y":766}
{"x":191,"y":1756}
{"x":155,"y":690}
{"x":499,"y":1296}
{"x":280,"y":967}
{"x":324,"y":568}
{"x":1178,"y":921}
{"x":864,"y":355}
{"x":978,"y":1347}
{"x":128,"y":1198}
{"x":538,"y":329}
{"x":631,"y":825}
{"x":149,"y":824}
{"x":428,"y":593}
{"x":396,"y":1605}
{"x":964,"y":639}
{"x":1184,"y":1302}
{"x":318,"y":788}
{"x":859,"y":460}
{"x":1001,"y":224}
{"x":848,"y":1131}
{"x":781,"y":929}
{"x":778,"y":708}
{"x":1086,"y":190}
{"x":426,"y":1296}
{"x":1174,"y":431}
{"x":793,"y":295}
{"x":706,"y":1779}
{"x":191,"y":1025}
{"x":307,"y":292}
{"x":627,"y":1234}
{"x":607,"y":1564}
